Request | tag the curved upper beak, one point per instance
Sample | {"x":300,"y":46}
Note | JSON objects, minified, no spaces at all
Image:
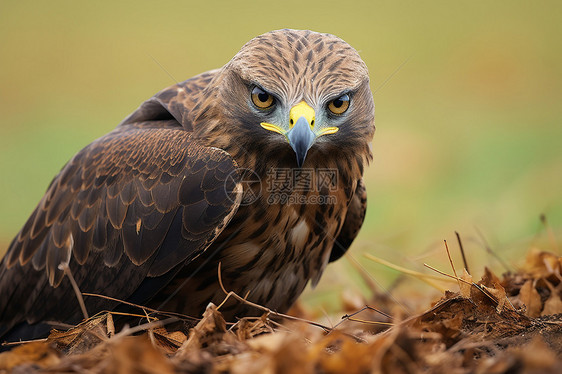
{"x":301,"y":134}
{"x":301,"y":138}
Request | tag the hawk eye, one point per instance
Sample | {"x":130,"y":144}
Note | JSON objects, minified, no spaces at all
{"x":339,"y":105}
{"x":262,"y":99}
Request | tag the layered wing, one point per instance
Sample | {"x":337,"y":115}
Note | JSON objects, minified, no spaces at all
{"x":353,"y":222}
{"x":136,"y":204}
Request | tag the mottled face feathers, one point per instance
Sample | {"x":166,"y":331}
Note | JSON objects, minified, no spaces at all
{"x":288,"y":67}
{"x":300,"y":65}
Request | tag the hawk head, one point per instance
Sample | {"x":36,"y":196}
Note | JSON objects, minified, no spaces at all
{"x":293,"y":95}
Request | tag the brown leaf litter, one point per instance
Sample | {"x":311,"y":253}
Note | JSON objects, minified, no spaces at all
{"x":507,"y":325}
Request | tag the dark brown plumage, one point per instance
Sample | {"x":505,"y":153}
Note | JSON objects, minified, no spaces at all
{"x":147,"y":212}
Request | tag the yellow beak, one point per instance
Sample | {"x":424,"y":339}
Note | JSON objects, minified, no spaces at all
{"x":301,"y":134}
{"x":302,"y":109}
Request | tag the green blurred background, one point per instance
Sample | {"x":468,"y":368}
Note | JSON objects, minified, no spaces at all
{"x":468,"y":107}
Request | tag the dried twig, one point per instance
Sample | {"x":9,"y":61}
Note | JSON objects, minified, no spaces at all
{"x":372,"y":283}
{"x":263,"y":308}
{"x":423,"y":277}
{"x":142,"y":307}
{"x":477,"y":286}
{"x":490,"y":251}
{"x":10,"y":344}
{"x":365,"y":275}
{"x":462,"y":252}
{"x":348,"y":317}
{"x":353,"y":319}
{"x":64,"y":267}
{"x":379,"y":311}
{"x":448,"y":275}
{"x":126,"y":330}
{"x":451,"y":262}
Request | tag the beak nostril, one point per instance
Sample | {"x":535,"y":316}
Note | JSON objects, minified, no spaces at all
{"x":291,"y":121}
{"x":312,"y":123}
{"x":300,"y":138}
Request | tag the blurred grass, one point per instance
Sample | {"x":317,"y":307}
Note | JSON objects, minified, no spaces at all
{"x":469,"y":131}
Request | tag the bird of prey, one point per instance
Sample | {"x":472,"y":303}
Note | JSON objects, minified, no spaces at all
{"x":146,"y":213}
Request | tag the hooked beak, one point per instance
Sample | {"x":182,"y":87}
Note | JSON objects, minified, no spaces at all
{"x":301,"y":138}
{"x":301,"y":134}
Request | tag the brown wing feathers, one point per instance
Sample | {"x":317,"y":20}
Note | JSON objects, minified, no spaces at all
{"x":353,"y":222}
{"x":151,"y":194}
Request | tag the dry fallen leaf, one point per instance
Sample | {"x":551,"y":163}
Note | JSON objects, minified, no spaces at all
{"x":553,"y":305}
{"x":531,"y":298}
{"x":540,"y":264}
{"x":40,"y":354}
{"x":466,"y":285}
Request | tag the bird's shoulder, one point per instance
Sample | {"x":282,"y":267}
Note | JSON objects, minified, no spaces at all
{"x":177,"y":102}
